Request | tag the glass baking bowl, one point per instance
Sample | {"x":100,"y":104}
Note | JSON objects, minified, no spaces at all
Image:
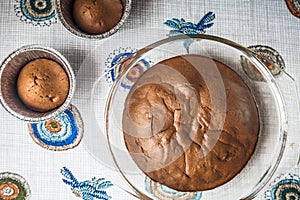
{"x":272,"y":94}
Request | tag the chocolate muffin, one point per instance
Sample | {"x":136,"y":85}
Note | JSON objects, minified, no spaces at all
{"x":43,"y":85}
{"x":190,"y":123}
{"x":97,"y":16}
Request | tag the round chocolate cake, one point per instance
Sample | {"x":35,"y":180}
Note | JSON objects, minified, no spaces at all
{"x":43,"y":85}
{"x":190,"y":123}
{"x":97,"y":16}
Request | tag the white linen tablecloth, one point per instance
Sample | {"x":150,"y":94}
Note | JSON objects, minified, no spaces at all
{"x":248,"y":22}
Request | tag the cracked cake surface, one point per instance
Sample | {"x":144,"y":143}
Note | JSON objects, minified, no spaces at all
{"x":190,"y":123}
{"x":43,"y":85}
{"x":97,"y":16}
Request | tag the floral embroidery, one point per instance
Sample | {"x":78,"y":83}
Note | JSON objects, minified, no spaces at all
{"x":36,"y":12}
{"x":61,"y":133}
{"x":284,"y":188}
{"x":115,"y":64}
{"x":13,"y":187}
{"x":180,"y":26}
{"x":87,"y":190}
{"x":163,"y":192}
{"x":269,"y":57}
{"x":294,"y":7}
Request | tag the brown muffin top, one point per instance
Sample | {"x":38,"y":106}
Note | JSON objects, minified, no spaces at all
{"x":97,"y":16}
{"x":190,"y":123}
{"x":43,"y":85}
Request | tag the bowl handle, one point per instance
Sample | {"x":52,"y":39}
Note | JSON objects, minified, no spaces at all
{"x":290,"y":96}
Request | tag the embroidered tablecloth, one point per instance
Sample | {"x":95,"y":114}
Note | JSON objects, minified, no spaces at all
{"x":32,"y":163}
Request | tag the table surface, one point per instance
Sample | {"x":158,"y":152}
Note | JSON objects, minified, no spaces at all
{"x":248,"y":22}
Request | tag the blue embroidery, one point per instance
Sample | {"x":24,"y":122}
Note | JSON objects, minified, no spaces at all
{"x":36,"y":12}
{"x":66,"y":136}
{"x":59,"y":133}
{"x":164,"y":192}
{"x":288,"y":189}
{"x":284,"y":188}
{"x":116,"y":62}
{"x":87,"y":190}
{"x":118,"y":58}
{"x":180,"y":26}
